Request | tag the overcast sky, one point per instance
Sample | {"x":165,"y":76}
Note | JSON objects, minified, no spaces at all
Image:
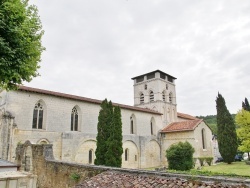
{"x":95,"y":47}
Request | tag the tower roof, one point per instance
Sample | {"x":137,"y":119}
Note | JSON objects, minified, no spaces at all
{"x":154,"y":72}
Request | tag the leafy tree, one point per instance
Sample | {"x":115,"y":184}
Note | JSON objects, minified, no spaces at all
{"x":180,"y":156}
{"x":243,"y":131}
{"x":109,"y":137}
{"x":245,"y":105}
{"x":227,"y":137}
{"x":104,"y":122}
{"x":20,"y":42}
{"x":114,"y":153}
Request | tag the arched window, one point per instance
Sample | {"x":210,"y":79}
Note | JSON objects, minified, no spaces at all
{"x":151,"y":96}
{"x":141,"y":98}
{"x":126,"y":154}
{"x":152,"y":126}
{"x":90,"y":156}
{"x":74,"y":119}
{"x":38,"y":116}
{"x":131,"y":125}
{"x":163,"y":96}
{"x":170,"y":97}
{"x":203,"y":137}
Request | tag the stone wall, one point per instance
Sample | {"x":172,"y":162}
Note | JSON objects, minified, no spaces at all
{"x":53,"y":173}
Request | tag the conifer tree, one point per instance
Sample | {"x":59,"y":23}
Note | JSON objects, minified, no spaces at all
{"x":114,"y":153}
{"x":227,"y":138}
{"x":104,"y":121}
{"x":109,"y":136}
{"x":245,"y":105}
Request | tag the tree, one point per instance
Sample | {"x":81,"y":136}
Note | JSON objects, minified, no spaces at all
{"x":245,"y":105}
{"x":114,"y":143}
{"x":243,"y":131}
{"x":227,"y":137}
{"x":180,"y":156}
{"x":104,"y":121}
{"x":109,"y":137}
{"x":20,"y":42}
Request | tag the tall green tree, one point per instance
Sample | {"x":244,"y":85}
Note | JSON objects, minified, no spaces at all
{"x":114,"y":143}
{"x":20,"y":42}
{"x":245,"y":105}
{"x":103,"y":129}
{"x":243,"y":131}
{"x":109,"y":137}
{"x":227,"y":137}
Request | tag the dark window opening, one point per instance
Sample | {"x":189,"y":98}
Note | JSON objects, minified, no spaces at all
{"x":151,"y":96}
{"x":170,"y":79}
{"x":90,"y":156}
{"x":74,"y":120}
{"x":126,"y":154}
{"x":140,"y":79}
{"x":37,"y":122}
{"x":141,"y":98}
{"x":162,"y":76}
{"x":150,"y":76}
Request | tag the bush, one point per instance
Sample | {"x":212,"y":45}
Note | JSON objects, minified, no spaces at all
{"x":180,"y":156}
{"x":201,"y":159}
{"x":209,"y":160}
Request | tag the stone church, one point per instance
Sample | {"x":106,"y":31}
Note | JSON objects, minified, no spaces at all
{"x":69,"y":122}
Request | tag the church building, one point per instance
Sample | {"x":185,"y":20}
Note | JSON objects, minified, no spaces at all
{"x":69,"y":122}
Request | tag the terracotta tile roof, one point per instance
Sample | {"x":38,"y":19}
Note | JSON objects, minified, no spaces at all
{"x":115,"y":179}
{"x":182,"y":126}
{"x":186,"y":116}
{"x":79,"y":98}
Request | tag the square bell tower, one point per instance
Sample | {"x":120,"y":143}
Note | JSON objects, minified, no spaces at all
{"x":156,"y":91}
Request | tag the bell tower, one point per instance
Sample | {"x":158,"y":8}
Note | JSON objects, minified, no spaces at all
{"x":156,"y":91}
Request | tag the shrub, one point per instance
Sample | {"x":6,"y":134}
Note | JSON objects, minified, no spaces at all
{"x":201,"y":159}
{"x":209,"y":160}
{"x":180,"y":156}
{"x":75,"y":176}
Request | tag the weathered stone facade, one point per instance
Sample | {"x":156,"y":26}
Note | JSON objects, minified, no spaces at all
{"x":144,"y":143}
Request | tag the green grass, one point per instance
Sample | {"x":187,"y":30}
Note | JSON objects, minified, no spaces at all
{"x":237,"y":168}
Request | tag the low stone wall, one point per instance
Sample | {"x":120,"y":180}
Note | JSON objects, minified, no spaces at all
{"x":59,"y":174}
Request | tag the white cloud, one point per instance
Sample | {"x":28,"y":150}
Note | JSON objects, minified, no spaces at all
{"x":95,"y":47}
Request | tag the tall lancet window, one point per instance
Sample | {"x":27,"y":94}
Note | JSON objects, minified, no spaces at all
{"x":38,"y":116}
{"x":163,"y":96}
{"x":141,"y":98}
{"x":74,"y":119}
{"x":151,"y":96}
{"x":170,"y":98}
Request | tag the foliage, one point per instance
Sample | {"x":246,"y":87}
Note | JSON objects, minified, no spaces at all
{"x":109,"y":137}
{"x":227,"y":137}
{"x":245,"y":105}
{"x":20,"y":42}
{"x":180,"y":156}
{"x":75,"y":176}
{"x":201,"y":160}
{"x":104,"y":121}
{"x":114,"y":143}
{"x":243,"y":131}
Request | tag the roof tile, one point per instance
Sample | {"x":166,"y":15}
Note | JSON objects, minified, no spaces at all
{"x":182,"y":126}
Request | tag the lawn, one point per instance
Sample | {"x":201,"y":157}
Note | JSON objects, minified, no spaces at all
{"x":238,"y":168}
